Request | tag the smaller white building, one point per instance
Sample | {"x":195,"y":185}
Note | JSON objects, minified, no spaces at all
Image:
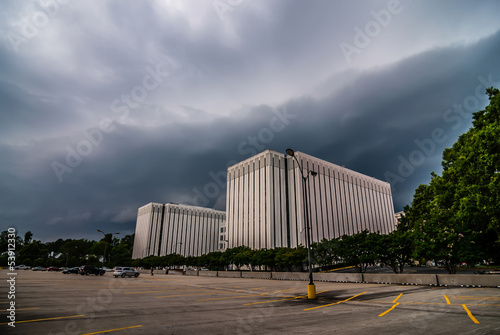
{"x":178,"y":229}
{"x":399,"y":216}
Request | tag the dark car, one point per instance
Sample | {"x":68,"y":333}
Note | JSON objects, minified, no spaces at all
{"x":91,"y":270}
{"x":53,"y":268}
{"x":70,"y":270}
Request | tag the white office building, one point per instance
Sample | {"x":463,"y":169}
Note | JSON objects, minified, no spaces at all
{"x":180,"y":229}
{"x":265,"y":201}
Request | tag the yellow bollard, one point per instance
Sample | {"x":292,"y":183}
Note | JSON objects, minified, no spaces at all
{"x":311,"y":291}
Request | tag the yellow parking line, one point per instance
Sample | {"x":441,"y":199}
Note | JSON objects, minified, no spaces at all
{"x":447,"y":300}
{"x":112,"y":330}
{"x":278,"y":291}
{"x":357,"y":295}
{"x":321,"y":292}
{"x":257,"y":288}
{"x":399,"y":296}
{"x":390,"y":309}
{"x":347,"y":267}
{"x":470,"y":314}
{"x":57,"y":318}
{"x":299,"y":295}
{"x":423,"y":303}
{"x":496,"y":305}
{"x":284,"y":299}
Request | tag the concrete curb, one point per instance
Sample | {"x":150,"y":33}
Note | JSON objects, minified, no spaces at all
{"x":373,"y":278}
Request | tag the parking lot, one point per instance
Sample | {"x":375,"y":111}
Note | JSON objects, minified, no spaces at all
{"x":55,"y":303}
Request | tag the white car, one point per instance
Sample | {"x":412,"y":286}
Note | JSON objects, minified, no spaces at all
{"x":125,"y":272}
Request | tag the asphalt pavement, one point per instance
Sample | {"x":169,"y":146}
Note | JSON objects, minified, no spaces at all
{"x":55,"y":303}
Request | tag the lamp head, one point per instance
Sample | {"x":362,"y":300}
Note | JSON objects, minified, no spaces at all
{"x":290,"y":152}
{"x":313,"y":173}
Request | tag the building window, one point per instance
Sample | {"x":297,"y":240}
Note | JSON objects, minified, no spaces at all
{"x":221,"y":245}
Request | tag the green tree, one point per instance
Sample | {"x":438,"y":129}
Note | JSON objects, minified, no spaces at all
{"x":325,"y":253}
{"x":396,"y":249}
{"x":120,"y":255}
{"x":214,"y":261}
{"x":266,"y":258}
{"x":34,"y":250}
{"x":290,"y":259}
{"x":235,"y":256}
{"x":4,"y":244}
{"x":456,"y":217}
{"x":28,"y":237}
{"x":359,"y":250}
{"x":128,"y":240}
{"x":98,"y":249}
{"x":92,"y":260}
{"x":241,"y":256}
{"x":4,"y":237}
{"x":173,"y":260}
{"x":55,"y":247}
{"x":76,"y":251}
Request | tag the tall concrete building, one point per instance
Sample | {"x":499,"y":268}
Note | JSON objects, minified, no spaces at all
{"x":265,"y":201}
{"x":181,"y":229}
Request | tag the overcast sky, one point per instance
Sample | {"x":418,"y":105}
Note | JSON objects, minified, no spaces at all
{"x":106,"y":106}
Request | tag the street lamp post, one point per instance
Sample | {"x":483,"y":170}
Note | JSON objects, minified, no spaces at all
{"x":105,"y":245}
{"x":311,"y":288}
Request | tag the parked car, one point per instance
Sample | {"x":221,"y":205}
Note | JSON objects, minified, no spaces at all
{"x":71,"y":270}
{"x":39,"y":268}
{"x":125,"y":272}
{"x":22,"y":267}
{"x":53,"y":268}
{"x":90,"y":270}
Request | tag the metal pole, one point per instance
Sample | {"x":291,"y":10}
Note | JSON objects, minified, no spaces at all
{"x":308,"y":232}
{"x":104,"y":256}
{"x":105,"y":245}
{"x":311,"y":288}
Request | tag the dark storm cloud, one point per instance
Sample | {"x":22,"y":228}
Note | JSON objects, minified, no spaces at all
{"x":230,"y":80}
{"x":401,"y":109}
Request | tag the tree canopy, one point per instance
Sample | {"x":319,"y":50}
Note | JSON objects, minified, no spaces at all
{"x":70,"y":252}
{"x":455,"y":218}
